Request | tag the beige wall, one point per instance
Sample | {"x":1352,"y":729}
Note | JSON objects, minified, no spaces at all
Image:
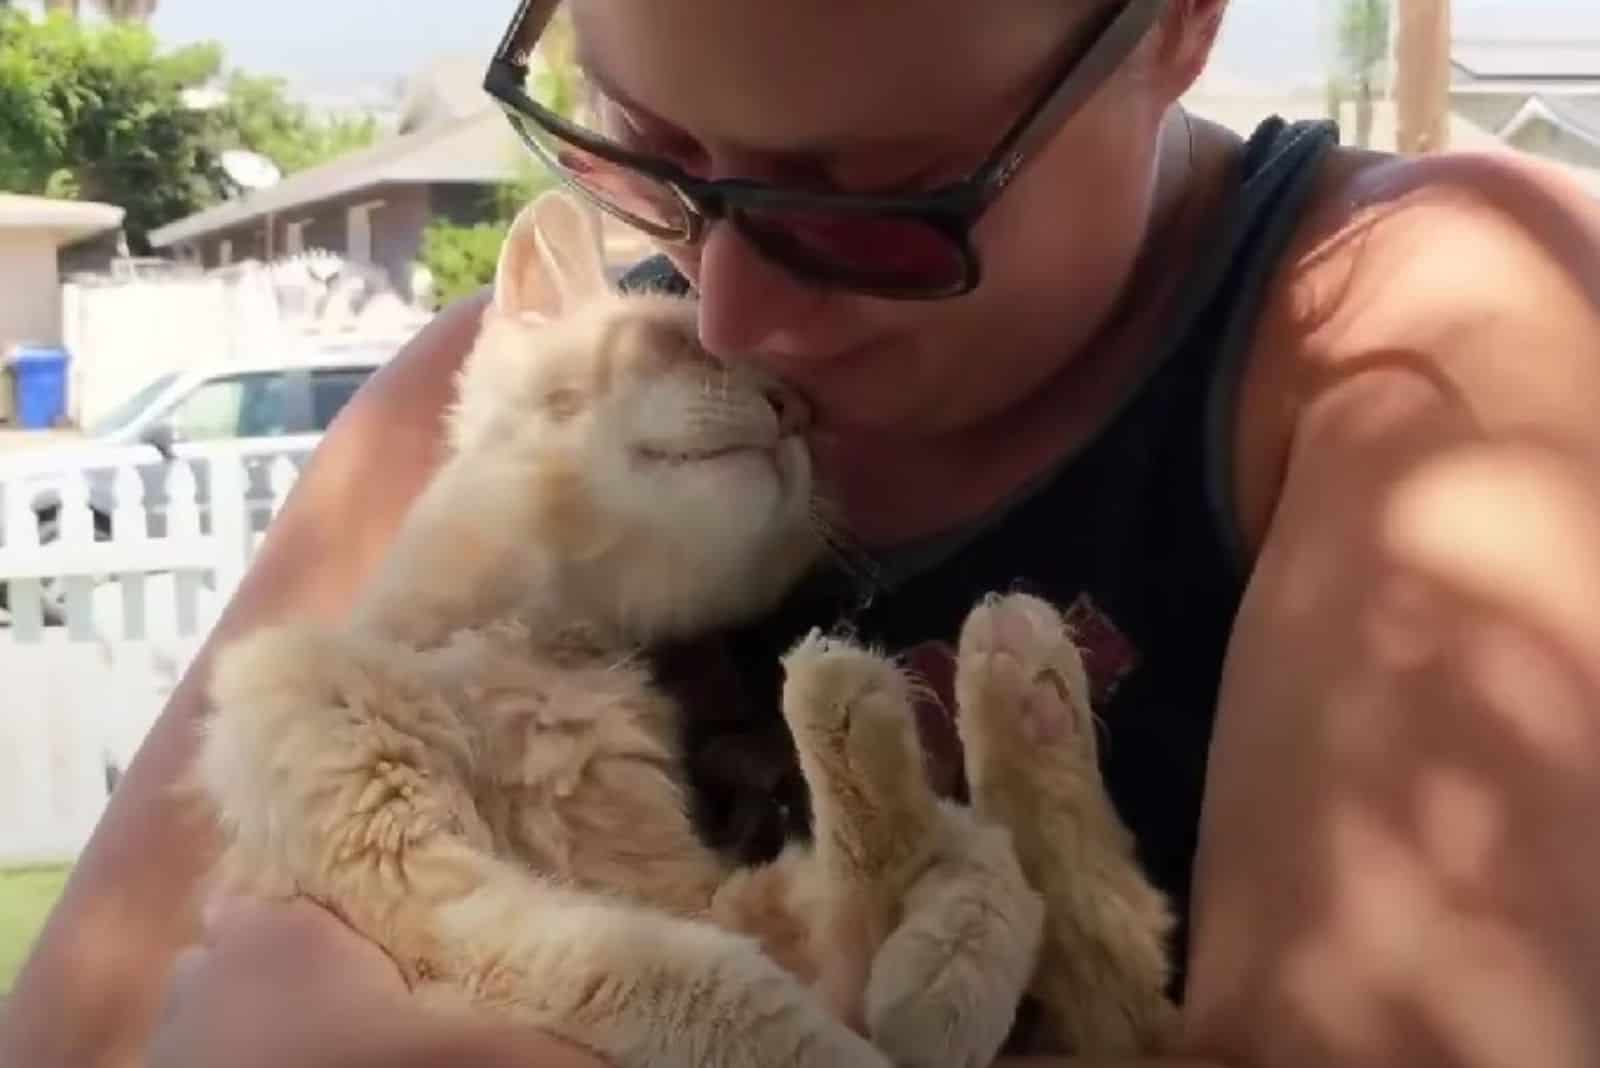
{"x":30,"y":291}
{"x":30,"y":298}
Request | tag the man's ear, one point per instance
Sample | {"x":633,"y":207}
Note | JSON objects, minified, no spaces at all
{"x":1189,"y":33}
{"x":552,"y":258}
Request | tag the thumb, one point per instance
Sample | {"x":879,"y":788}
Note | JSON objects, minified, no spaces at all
{"x":223,"y":912}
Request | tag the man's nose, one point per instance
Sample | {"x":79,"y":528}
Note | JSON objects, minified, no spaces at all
{"x":745,"y":299}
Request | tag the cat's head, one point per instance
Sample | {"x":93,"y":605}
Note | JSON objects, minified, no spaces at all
{"x":670,"y":492}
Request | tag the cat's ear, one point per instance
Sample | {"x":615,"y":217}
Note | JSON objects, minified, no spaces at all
{"x":552,"y":259}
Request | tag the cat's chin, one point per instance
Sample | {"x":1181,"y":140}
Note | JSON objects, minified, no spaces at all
{"x":668,"y":457}
{"x":786,"y":461}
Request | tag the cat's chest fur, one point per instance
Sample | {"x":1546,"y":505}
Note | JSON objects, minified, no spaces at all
{"x":576,"y":761}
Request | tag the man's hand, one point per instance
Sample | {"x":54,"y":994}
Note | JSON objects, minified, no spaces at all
{"x":275,"y":984}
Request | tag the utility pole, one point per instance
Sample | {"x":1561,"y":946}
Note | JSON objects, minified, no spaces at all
{"x":1422,"y":76}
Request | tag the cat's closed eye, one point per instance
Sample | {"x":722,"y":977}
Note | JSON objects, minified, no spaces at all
{"x":562,"y":404}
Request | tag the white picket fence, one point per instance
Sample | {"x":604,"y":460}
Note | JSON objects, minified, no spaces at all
{"x":106,"y":610}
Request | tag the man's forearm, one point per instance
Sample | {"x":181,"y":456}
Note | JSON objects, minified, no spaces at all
{"x":1072,"y":1062}
{"x":425,"y":1041}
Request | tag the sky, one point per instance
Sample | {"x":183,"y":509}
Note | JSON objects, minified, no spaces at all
{"x":338,"y":44}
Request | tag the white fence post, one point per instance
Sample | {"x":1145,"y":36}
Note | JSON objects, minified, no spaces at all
{"x":75,"y":527}
{"x":230,"y":519}
{"x":81,"y":693}
{"x":129,"y":526}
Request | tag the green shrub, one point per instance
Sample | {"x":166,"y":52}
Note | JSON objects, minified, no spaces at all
{"x":461,"y":259}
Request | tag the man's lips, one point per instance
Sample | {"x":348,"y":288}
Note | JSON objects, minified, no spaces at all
{"x":814,"y":363}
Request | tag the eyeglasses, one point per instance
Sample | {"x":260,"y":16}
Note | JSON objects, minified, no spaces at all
{"x":914,"y":246}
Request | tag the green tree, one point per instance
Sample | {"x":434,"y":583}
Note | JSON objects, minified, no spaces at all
{"x":118,"y":10}
{"x":126,"y":10}
{"x":260,"y":116}
{"x":97,"y":112}
{"x":462,"y":259}
{"x":1362,"y":47}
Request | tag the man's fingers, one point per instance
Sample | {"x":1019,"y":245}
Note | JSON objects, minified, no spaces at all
{"x":240,"y":919}
{"x":186,"y":967}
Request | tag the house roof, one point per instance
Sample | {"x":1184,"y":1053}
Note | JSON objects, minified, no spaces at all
{"x":480,"y":147}
{"x":1527,"y":59}
{"x":1242,"y":112}
{"x":450,"y":87}
{"x":1580,"y":114}
{"x":65,"y":220}
{"x":1576,"y":117}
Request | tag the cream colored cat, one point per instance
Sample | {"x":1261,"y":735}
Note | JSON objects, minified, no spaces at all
{"x":477,"y":772}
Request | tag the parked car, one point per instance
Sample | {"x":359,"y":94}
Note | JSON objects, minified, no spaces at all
{"x":175,"y":415}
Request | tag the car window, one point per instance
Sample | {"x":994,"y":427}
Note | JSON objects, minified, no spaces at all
{"x":331,"y":390}
{"x":240,"y":406}
{"x":133,"y":407}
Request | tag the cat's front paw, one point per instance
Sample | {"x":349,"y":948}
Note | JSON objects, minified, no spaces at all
{"x":1021,"y":682}
{"x":850,"y":709}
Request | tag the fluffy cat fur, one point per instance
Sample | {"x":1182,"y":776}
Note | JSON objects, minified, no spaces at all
{"x":477,"y":772}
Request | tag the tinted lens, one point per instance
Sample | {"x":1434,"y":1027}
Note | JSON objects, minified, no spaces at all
{"x":889,"y":252}
{"x":635,"y":198}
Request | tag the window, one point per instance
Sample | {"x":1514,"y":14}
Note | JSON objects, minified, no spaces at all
{"x":129,"y":410}
{"x":243,"y":406}
{"x":294,"y":237}
{"x":331,"y":390}
{"x":358,"y":231}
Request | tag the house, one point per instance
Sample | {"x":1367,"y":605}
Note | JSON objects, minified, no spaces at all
{"x":32,"y":232}
{"x":1566,"y":128}
{"x":1540,"y":98}
{"x":451,"y":149}
{"x":1538,"y":94}
{"x":1241,"y":109}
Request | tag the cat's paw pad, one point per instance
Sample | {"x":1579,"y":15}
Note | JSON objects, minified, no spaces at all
{"x":1018,"y":670}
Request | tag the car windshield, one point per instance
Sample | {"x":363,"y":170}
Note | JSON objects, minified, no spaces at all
{"x":129,"y":410}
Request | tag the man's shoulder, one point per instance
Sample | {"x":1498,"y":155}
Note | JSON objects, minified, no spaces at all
{"x":1396,"y":243}
{"x":1452,"y":267}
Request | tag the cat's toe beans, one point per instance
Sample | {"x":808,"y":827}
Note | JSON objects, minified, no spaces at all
{"x":1049,"y":713}
{"x":830,"y":681}
{"x":1020,"y":672}
{"x":1018,"y":623}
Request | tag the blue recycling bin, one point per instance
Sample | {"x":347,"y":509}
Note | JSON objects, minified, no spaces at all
{"x":40,"y":374}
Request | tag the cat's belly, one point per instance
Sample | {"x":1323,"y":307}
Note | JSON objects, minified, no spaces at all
{"x":580,"y":779}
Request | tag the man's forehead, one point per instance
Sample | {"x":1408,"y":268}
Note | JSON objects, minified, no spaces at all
{"x":802,"y":78}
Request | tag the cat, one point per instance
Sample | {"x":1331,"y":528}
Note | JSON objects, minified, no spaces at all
{"x":476,"y":770}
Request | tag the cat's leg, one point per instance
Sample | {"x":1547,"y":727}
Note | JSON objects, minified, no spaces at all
{"x":643,"y":989}
{"x":930,"y":930}
{"x":336,"y":769}
{"x":1027,"y":730}
{"x":340,"y":771}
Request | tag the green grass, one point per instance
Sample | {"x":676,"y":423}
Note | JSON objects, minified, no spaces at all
{"x":26,"y":896}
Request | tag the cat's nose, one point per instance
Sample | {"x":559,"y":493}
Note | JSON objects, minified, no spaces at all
{"x":794,"y":414}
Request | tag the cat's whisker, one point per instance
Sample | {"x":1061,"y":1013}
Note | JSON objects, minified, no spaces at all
{"x":626,"y":660}
{"x":856,"y":563}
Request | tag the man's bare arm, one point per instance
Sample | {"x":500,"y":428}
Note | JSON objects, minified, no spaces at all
{"x":88,"y":996}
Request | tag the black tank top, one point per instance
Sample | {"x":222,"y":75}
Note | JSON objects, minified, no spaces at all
{"x":1134,"y":534}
